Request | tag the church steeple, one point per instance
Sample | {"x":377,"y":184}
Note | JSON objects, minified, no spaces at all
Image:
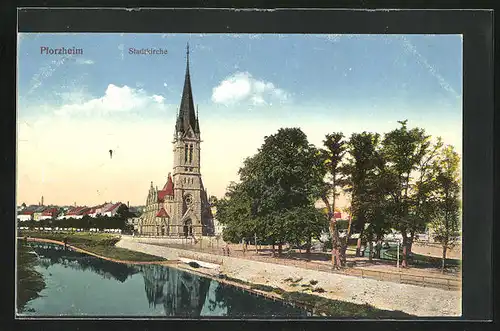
{"x":187,"y":117}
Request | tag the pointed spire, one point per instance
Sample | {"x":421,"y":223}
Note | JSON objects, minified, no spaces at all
{"x":187,"y":58}
{"x":186,"y":117}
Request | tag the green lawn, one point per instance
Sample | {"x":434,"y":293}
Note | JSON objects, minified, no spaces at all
{"x":98,"y":243}
{"x":421,"y":260}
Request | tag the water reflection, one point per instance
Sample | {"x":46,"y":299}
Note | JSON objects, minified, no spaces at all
{"x":175,"y":292}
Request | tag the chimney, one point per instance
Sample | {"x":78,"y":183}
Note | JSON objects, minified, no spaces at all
{"x":128,"y":204}
{"x":42,"y":200}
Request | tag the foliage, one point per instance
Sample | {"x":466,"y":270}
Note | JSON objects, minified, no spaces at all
{"x":276,"y":193}
{"x":333,"y":153}
{"x":406,"y":152}
{"x":446,"y":200}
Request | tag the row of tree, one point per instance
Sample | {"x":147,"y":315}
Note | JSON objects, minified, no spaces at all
{"x":404,"y":180}
{"x":118,"y":221}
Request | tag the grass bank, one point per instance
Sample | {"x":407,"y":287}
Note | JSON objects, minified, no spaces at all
{"x":102,"y":244}
{"x":29,"y":281}
{"x":323,"y":306}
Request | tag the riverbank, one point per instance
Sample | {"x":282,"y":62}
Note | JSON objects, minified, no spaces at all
{"x":29,"y":281}
{"x":410,"y":299}
{"x":97,"y":244}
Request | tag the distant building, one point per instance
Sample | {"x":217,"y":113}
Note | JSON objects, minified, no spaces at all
{"x":25,"y":216}
{"x":49,"y":213}
{"x":111,"y":210}
{"x":76,"y":212}
{"x":38,"y":213}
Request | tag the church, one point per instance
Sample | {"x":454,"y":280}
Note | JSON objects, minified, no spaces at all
{"x":181,"y":208}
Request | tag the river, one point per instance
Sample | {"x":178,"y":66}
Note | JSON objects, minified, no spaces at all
{"x":79,"y":285}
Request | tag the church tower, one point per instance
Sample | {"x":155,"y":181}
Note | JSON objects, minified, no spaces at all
{"x":188,"y":187}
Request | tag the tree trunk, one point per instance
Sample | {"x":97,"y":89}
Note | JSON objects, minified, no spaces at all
{"x":404,"y":263}
{"x":335,"y":243}
{"x":273,"y":250}
{"x":410,"y":241}
{"x":280,"y":249}
{"x":443,"y":262}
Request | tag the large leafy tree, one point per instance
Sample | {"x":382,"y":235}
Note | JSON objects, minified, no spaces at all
{"x":333,"y":154}
{"x":403,"y":150}
{"x":445,"y":219}
{"x":286,"y":173}
{"x":363,"y":169}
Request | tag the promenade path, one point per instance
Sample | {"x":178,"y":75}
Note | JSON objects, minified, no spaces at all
{"x":360,"y":266}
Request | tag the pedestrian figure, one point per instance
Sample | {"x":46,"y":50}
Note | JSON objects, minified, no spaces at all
{"x":223,"y":250}
{"x":227,"y":249}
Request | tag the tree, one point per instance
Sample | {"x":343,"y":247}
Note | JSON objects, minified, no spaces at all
{"x":333,"y":154}
{"x":212,"y":200}
{"x":286,"y":173}
{"x":446,"y":216}
{"x":123,"y":212}
{"x":363,"y":170}
{"x":234,"y":211}
{"x":403,"y":150}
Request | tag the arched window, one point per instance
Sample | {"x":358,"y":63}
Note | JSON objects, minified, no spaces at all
{"x":190,"y":153}
{"x":185,"y":153}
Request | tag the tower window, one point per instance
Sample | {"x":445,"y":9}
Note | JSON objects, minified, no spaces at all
{"x":190,"y":153}
{"x":185,"y":153}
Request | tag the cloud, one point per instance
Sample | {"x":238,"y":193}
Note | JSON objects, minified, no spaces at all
{"x":115,"y":99}
{"x":84,"y":61}
{"x":242,"y":87}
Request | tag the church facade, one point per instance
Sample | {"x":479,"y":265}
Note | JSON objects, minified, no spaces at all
{"x":181,"y":208}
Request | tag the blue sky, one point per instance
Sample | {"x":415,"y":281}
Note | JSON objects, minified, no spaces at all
{"x":257,"y":83}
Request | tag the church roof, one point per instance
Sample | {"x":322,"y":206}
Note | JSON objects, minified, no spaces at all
{"x":162,"y":213}
{"x":168,"y":189}
{"x":169,"y":186}
{"x":187,"y":117}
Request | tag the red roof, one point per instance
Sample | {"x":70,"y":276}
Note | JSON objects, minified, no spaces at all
{"x":162,"y":213}
{"x":77,"y":211}
{"x":168,"y":189}
{"x":50,"y":212}
{"x":337,"y":215}
{"x":112,"y":207}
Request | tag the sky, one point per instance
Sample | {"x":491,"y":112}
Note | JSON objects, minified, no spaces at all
{"x":72,"y":109}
